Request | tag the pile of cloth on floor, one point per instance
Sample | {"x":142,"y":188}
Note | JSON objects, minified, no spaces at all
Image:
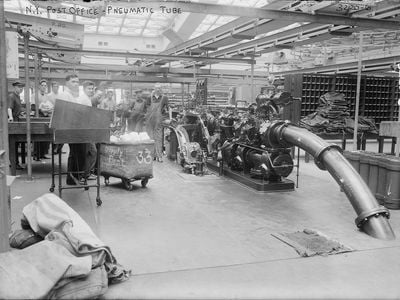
{"x":56,"y":255}
{"x":333,"y":117}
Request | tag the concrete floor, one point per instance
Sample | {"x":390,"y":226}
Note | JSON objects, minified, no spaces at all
{"x":208,"y":237}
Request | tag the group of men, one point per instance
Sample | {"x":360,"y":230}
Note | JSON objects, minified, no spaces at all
{"x":82,"y":157}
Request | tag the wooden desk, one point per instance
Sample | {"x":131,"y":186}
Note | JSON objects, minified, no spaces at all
{"x":40,"y":132}
{"x":79,"y":124}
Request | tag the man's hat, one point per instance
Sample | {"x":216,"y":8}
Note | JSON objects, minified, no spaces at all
{"x":18,"y":83}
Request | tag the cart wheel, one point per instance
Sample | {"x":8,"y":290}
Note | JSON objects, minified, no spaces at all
{"x":144,"y":182}
{"x":107,"y":181}
{"x":99,"y":202}
{"x":51,"y":189}
{"x":127,"y":184}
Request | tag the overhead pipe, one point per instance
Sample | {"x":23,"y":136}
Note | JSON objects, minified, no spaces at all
{"x":371,"y":217}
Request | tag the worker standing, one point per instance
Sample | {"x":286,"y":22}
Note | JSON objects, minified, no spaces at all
{"x":157,"y":110}
{"x":79,"y":154}
{"x":14,"y":111}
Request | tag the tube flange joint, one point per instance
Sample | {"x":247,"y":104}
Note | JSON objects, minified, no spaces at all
{"x":365,"y":216}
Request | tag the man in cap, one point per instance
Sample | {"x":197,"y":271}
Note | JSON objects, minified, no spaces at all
{"x":14,"y":110}
{"x":14,"y":102}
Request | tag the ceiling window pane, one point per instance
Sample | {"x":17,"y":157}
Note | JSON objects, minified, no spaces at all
{"x":150,"y":33}
{"x":131,"y":31}
{"x":90,"y":28}
{"x":86,"y":21}
{"x":210,"y":19}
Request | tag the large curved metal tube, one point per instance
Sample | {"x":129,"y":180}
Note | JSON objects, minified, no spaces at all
{"x":371,"y":217}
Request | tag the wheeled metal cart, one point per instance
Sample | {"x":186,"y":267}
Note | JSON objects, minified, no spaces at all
{"x":129,"y":162}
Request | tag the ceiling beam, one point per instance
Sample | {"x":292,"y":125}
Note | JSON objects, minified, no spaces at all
{"x":143,"y":55}
{"x":125,"y":78}
{"x":221,"y":30}
{"x":311,"y":40}
{"x":294,"y":16}
{"x":303,"y":30}
{"x":146,"y":70}
{"x":122,"y":24}
{"x":260,"y":26}
{"x":145,"y":24}
{"x":98,"y":25}
{"x":208,"y":35}
{"x":189,"y":25}
{"x":172,"y":36}
{"x":344,"y":66}
{"x":292,"y":33}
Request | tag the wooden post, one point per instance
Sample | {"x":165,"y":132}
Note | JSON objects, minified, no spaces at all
{"x":252,"y":83}
{"x":37,"y":79}
{"x":183,"y":94}
{"x":5,"y":225}
{"x":188,"y":90}
{"x":355,"y":134}
{"x":28,"y":107}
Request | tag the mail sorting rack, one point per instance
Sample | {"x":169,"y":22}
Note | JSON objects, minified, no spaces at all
{"x":378,"y":95}
{"x":78,"y":124}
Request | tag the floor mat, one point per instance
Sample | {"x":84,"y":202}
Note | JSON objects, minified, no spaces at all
{"x":192,"y":177}
{"x":310,"y":243}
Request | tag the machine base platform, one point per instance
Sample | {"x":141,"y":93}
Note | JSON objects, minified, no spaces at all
{"x":257,"y":184}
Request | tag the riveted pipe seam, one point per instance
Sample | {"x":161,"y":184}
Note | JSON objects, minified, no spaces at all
{"x":319,"y":152}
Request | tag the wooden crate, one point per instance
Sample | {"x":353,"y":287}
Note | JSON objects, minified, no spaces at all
{"x":130,"y":161}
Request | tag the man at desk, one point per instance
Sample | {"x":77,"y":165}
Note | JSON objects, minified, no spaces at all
{"x":14,"y":110}
{"x":81,"y":156}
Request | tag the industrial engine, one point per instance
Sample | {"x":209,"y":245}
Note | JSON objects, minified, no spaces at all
{"x":245,"y":147}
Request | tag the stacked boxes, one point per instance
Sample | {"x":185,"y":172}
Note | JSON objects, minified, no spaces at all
{"x":392,"y":186}
{"x":381,"y":172}
{"x":380,"y":191}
